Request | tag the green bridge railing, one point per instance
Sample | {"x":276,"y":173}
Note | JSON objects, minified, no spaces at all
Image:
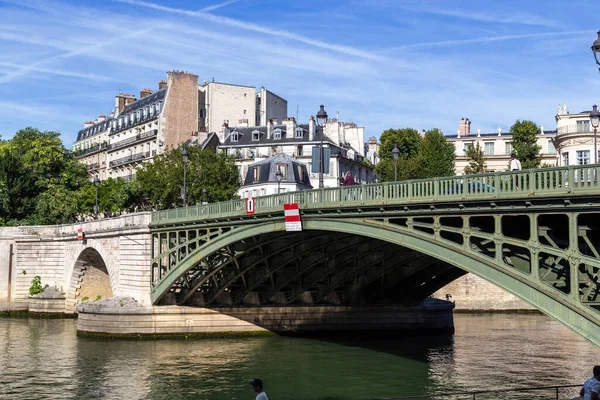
{"x":580,"y":179}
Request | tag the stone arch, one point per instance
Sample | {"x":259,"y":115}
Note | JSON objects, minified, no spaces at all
{"x":564,"y":308}
{"x":90,"y":278}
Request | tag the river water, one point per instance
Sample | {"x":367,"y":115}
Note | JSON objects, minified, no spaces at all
{"x":44,"y":359}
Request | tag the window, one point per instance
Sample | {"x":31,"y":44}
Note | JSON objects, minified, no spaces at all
{"x":583,"y":157}
{"x":244,"y":110}
{"x":551,"y":148}
{"x":158,"y":107}
{"x":255,"y":135}
{"x":277,"y":134}
{"x":489,"y":148}
{"x":151,"y":111}
{"x":299,"y":133}
{"x":145,"y":113}
{"x":283,"y":169}
{"x":300,"y":151}
{"x":302,"y":172}
{"x":235,"y":136}
{"x":120,"y":122}
{"x":255,"y":173}
{"x":131,"y":118}
{"x":583,"y":126}
{"x":138,"y":115}
{"x":508,"y":148}
{"x":468,"y":146}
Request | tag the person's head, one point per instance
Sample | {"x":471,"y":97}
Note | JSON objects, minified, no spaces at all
{"x":596,"y":370}
{"x":348,"y":173}
{"x":513,"y":156}
{"x":257,"y":385}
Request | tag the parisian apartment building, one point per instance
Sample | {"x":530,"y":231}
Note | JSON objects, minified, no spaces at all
{"x":571,"y":143}
{"x":180,"y":110}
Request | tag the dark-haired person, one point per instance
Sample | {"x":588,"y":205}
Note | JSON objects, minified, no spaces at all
{"x":591,"y":387}
{"x":257,"y":386}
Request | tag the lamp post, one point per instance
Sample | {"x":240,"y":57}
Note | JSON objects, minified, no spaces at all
{"x":204,"y":196}
{"x":279,"y":177}
{"x":97,"y":184}
{"x":184,"y":155}
{"x":395,"y":153}
{"x":595,"y":121}
{"x":596,"y":49}
{"x":321,"y":121}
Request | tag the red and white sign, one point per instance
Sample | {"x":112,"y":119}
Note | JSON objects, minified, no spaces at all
{"x":250,"y":205}
{"x":292,"y":217}
{"x":80,"y":233}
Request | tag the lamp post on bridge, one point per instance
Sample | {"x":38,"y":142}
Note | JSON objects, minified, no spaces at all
{"x":321,"y":121}
{"x":596,"y":49}
{"x":395,"y":154}
{"x":595,"y":121}
{"x":204,"y":196}
{"x":279,"y":177}
{"x":184,"y":156}
{"x":96,"y":184}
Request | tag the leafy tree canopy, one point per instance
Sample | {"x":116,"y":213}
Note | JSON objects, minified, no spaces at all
{"x":437,"y":154}
{"x":476,"y":160}
{"x":525,"y":143}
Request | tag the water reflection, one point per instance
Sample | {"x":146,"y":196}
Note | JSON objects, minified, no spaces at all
{"x":44,"y":359}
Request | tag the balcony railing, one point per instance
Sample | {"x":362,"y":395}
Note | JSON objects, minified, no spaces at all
{"x":93,"y":149}
{"x":131,"y":140}
{"x":129,"y":159}
{"x":93,"y":166}
{"x":586,"y":128}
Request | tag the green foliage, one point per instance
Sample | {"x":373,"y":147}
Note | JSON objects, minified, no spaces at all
{"x":98,"y":298}
{"x":85,"y":299}
{"x":525,"y":143}
{"x":425,"y":157}
{"x":437,"y":154}
{"x":36,"y":286}
{"x":476,"y":160}
{"x":161,"y":181}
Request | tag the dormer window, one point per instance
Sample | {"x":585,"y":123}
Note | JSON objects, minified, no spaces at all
{"x":255,"y":173}
{"x":235,"y":136}
{"x":299,"y":133}
{"x":277,"y":134}
{"x":120,"y":122}
{"x":132,"y":118}
{"x":151,"y":111}
{"x":145,"y":113}
{"x":158,"y":107}
{"x":138,"y":114}
{"x":255,"y":135}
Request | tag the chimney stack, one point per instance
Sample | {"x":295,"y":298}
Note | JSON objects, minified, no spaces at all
{"x":87,"y":124}
{"x":162,"y":84}
{"x":121,"y":101}
{"x":311,"y":128}
{"x":464,"y":127}
{"x":269,"y":128}
{"x":145,"y":92}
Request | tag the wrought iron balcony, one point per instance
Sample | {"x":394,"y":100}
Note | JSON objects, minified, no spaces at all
{"x":137,"y":138}
{"x":93,"y":166}
{"x":584,"y":128}
{"x":129,"y":159}
{"x":93,"y":149}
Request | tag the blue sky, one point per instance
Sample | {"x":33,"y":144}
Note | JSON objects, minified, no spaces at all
{"x":380,"y":63}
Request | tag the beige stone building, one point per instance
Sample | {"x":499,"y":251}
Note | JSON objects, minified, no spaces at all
{"x":137,"y":130}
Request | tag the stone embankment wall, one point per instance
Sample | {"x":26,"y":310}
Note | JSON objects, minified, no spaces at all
{"x":95,"y":319}
{"x":471,"y":293}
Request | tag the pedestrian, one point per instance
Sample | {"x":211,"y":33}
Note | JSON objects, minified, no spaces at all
{"x":349,"y":179}
{"x":591,"y":387}
{"x":515,"y":165}
{"x":257,"y":386}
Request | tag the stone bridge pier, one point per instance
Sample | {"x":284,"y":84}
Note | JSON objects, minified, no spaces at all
{"x":111,"y":260}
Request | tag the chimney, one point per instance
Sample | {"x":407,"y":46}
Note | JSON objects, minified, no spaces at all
{"x":224,"y":132}
{"x":269,"y":128}
{"x":290,"y":126}
{"x":162,"y":84}
{"x":464,"y":127}
{"x":119,"y":104}
{"x":101,"y":118}
{"x":311,"y":128}
{"x":87,"y":124}
{"x":145,"y":92}
{"x":129,"y":99}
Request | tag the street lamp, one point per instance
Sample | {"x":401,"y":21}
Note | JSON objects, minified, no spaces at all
{"x":596,"y":49}
{"x":595,"y":121}
{"x":279,"y":177}
{"x":395,"y":153}
{"x":204,"y":195}
{"x":321,"y":121}
{"x":184,"y":155}
{"x":96,"y":183}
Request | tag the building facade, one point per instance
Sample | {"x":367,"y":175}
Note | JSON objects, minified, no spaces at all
{"x":180,"y":111}
{"x":250,"y":144}
{"x":575,"y":138}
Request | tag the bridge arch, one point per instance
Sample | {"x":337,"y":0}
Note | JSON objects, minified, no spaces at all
{"x":563,"y":307}
{"x":91,"y":276}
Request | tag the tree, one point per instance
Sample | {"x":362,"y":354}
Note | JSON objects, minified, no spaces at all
{"x":409,"y":166}
{"x":161,"y":182}
{"x":437,"y":154}
{"x":525,"y":143}
{"x":476,"y":162}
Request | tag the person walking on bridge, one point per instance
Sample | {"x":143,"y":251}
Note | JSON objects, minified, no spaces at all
{"x":257,"y":385}
{"x":591,"y":387}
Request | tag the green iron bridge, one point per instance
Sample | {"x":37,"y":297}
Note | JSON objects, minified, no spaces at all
{"x":534,"y":233}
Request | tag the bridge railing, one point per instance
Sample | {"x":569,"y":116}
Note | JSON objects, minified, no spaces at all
{"x":515,"y":184}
